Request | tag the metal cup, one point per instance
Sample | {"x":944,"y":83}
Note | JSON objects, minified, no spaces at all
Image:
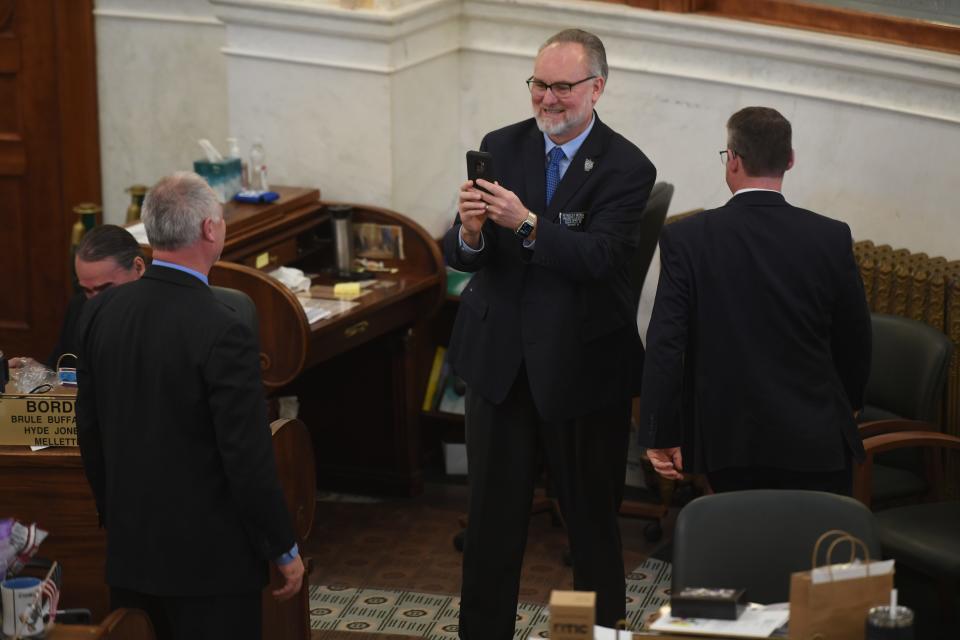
{"x":341,"y":215}
{"x":883,"y":626}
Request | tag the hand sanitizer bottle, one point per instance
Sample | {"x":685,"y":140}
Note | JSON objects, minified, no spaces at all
{"x":233,"y":151}
{"x":258,"y":167}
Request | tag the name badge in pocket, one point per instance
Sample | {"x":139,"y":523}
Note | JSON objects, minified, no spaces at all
{"x":573,"y":219}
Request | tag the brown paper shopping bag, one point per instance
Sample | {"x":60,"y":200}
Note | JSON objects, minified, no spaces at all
{"x":836,"y":609}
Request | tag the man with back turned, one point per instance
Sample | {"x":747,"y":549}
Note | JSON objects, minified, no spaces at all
{"x":546,"y":335}
{"x":758,"y":350}
{"x":172,"y":426}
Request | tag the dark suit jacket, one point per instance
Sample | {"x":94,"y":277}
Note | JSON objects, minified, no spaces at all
{"x":173,"y":431}
{"x":758,"y":350}
{"x":67,"y":343}
{"x":566,"y":309}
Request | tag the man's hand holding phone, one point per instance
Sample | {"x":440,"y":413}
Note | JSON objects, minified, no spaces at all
{"x":503,"y":206}
{"x":473,"y":213}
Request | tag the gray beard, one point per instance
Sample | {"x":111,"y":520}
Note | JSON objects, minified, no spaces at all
{"x":552,"y":129}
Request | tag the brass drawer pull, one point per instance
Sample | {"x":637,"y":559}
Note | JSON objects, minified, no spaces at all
{"x":356,"y":329}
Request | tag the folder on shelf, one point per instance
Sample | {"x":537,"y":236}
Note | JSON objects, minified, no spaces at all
{"x":442,"y":382}
{"x":434,"y":379}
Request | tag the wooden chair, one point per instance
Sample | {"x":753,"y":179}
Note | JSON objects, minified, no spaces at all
{"x":923,"y":537}
{"x":908,"y":375}
{"x":293,"y":451}
{"x":122,"y":624}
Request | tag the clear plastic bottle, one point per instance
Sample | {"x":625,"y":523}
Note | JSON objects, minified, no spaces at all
{"x":258,"y":167}
{"x":233,"y":151}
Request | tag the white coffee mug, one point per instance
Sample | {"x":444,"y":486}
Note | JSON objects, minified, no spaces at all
{"x":19,"y":615}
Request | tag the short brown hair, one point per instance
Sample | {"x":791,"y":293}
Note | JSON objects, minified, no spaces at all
{"x":762,"y":139}
{"x":592,"y":46}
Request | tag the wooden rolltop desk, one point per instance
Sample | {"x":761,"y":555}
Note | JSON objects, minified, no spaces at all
{"x":355,"y":374}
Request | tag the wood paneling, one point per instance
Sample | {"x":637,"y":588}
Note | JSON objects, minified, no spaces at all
{"x":906,"y":31}
{"x":49,"y":160}
{"x":76,"y":68}
{"x":789,"y":13}
{"x":50,"y":488}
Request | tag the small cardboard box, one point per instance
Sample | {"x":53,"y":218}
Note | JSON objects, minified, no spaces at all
{"x":718,"y":604}
{"x":572,"y":615}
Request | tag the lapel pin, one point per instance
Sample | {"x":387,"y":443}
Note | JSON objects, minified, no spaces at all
{"x":588,"y":164}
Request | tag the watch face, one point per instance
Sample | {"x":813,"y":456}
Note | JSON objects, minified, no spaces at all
{"x":525,"y":229}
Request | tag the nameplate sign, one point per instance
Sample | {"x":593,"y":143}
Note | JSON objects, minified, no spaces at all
{"x":38,"y":420}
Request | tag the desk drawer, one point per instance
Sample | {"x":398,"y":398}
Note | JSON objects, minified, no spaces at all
{"x":362,"y":328}
{"x":274,"y":256}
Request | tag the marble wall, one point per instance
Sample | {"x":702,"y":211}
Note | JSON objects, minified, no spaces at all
{"x":162,"y":83}
{"x":379,"y":104}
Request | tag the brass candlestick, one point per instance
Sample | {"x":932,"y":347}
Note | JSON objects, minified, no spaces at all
{"x":137,"y":193}
{"x":87,"y":219}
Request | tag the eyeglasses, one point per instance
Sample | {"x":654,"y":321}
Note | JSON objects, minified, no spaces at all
{"x":560,"y":89}
{"x":726,"y":154}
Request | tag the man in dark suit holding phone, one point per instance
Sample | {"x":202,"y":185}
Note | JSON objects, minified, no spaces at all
{"x":172,"y":427}
{"x":758,"y":350}
{"x":546,"y":335}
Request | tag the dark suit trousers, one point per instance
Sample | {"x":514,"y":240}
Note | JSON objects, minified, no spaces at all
{"x":226,"y":617}
{"x":743,"y":478}
{"x":586,"y":463}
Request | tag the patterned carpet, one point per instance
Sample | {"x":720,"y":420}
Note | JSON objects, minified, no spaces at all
{"x":387,"y":567}
{"x":388,"y":611}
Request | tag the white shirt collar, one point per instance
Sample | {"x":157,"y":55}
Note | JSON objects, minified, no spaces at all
{"x":748,"y":189}
{"x":571,"y":147}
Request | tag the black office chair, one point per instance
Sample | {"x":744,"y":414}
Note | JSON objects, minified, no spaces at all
{"x":755,"y":539}
{"x":908,"y":373}
{"x":924,"y":538}
{"x":651,"y":222}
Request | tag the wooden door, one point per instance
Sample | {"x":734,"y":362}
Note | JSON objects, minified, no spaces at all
{"x":49,"y":161}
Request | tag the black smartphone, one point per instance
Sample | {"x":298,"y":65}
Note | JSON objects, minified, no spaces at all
{"x":480,"y":165}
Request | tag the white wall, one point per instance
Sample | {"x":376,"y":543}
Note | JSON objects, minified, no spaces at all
{"x":378,"y":105}
{"x":162,"y":84}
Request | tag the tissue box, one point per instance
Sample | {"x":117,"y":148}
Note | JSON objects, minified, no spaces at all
{"x":223,"y":176}
{"x":718,"y":604}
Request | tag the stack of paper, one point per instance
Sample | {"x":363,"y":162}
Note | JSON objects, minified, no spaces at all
{"x":757,"y":621}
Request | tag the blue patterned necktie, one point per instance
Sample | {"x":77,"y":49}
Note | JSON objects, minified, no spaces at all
{"x":553,"y":171}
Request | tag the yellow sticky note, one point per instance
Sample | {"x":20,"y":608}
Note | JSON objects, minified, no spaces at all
{"x":263,"y":260}
{"x":346,"y":289}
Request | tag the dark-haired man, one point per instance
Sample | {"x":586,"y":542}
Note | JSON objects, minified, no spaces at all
{"x":107,"y":256}
{"x":758,"y":350}
{"x":546,"y":335}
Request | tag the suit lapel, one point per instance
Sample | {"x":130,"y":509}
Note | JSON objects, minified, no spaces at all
{"x":577,"y":173}
{"x":534,"y":170}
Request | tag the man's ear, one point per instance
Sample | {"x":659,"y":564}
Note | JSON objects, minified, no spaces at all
{"x":139,"y":265}
{"x":735,"y":162}
{"x":598,"y":88}
{"x":792,"y":159}
{"x":207,"y":230}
